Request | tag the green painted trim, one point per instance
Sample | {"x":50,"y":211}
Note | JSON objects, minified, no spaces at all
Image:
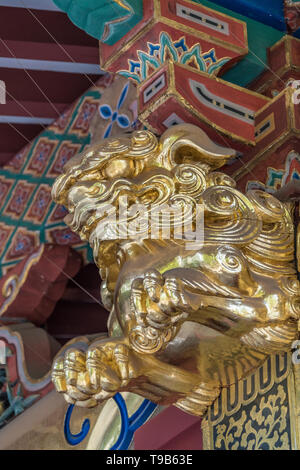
{"x":106,"y":20}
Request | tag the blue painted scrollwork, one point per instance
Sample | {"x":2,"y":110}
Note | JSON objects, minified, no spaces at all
{"x":75,"y":439}
{"x":128,"y":424}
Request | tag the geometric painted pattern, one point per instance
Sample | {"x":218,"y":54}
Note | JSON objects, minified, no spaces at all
{"x":66,"y":151}
{"x":256,"y":414}
{"x":178,"y":50}
{"x":28,"y":216}
{"x":86,"y":112}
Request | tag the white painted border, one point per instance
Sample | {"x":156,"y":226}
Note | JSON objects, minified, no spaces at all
{"x":154,"y":88}
{"x":215,"y":98}
{"x":2,"y":92}
{"x":179,"y":12}
{"x":50,"y":66}
{"x":170,"y":120}
{"x":25,"y":120}
{"x":32,"y":385}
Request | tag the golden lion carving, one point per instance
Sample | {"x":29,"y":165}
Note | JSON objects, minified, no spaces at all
{"x":186,"y":319}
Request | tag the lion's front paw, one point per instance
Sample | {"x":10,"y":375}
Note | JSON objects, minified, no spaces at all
{"x":91,"y":374}
{"x":159,"y":307}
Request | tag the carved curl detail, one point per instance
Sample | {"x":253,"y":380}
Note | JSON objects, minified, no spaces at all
{"x":184,"y":321}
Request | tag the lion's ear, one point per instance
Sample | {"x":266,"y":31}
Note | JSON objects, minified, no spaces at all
{"x":188,"y":142}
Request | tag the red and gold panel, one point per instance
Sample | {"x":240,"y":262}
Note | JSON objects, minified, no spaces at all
{"x":5,"y":232}
{"x":60,"y":125}
{"x":57,"y":215}
{"x":84,"y":116}
{"x":174,"y":87}
{"x":295,"y":109}
{"x":5,"y":185}
{"x":25,"y":183}
{"x":17,"y":162}
{"x":272,"y":121}
{"x":23,"y":243}
{"x":40,"y":204}
{"x":283,"y":67}
{"x":190,"y":16}
{"x":274,"y":125}
{"x":66,"y":151}
{"x":19,"y":199}
{"x":62,"y":236}
{"x":41,"y":155}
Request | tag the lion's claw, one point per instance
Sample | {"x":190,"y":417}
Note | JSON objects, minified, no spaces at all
{"x":89,"y":377}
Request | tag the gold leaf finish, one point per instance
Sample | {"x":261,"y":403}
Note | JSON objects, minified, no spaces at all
{"x":185,"y":320}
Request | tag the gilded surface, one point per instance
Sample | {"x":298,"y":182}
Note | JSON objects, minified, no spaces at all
{"x":184,"y":322}
{"x":257,"y":413}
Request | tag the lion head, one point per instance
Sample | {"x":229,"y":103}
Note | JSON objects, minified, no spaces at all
{"x":231,"y":297}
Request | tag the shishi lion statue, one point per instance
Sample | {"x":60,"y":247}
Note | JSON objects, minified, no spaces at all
{"x":183,"y":322}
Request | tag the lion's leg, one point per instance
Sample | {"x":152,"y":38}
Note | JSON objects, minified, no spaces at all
{"x":89,"y":376}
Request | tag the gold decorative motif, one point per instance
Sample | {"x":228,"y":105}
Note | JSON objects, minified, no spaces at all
{"x":13,"y":284}
{"x":186,"y":319}
{"x":274,"y":371}
{"x":145,"y":61}
{"x":263,"y":427}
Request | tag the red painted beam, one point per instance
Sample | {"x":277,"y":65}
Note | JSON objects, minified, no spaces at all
{"x":41,"y":26}
{"x":59,"y":87}
{"x":50,"y":51}
{"x":46,"y":36}
{"x":15,"y":138}
{"x":41,"y":109}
